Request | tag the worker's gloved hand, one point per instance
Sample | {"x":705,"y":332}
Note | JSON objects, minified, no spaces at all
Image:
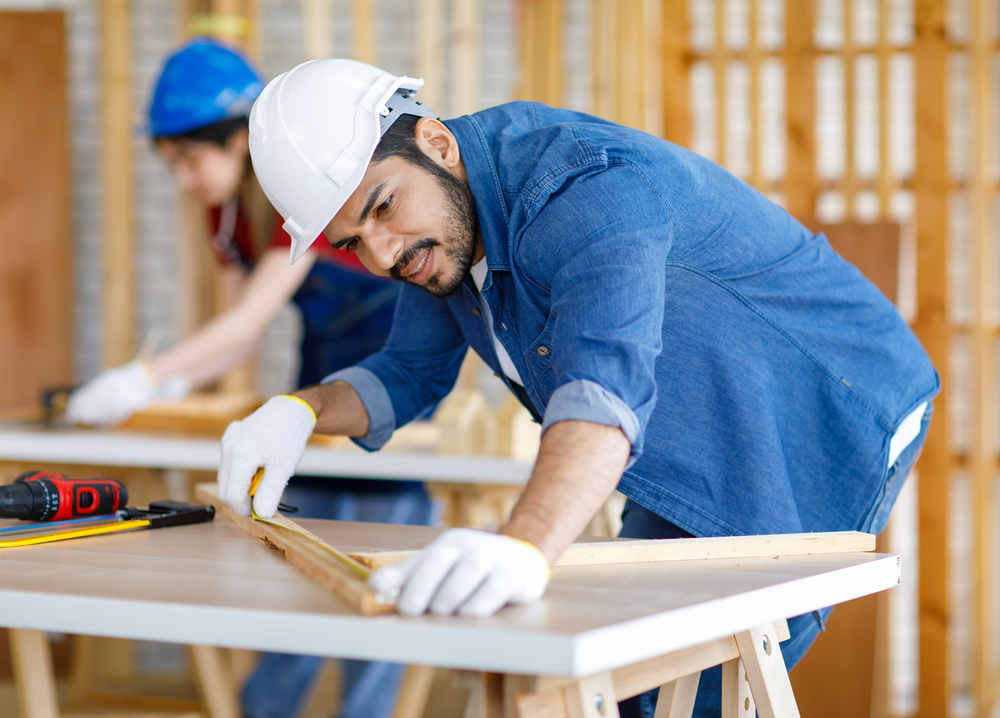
{"x":113,"y":396}
{"x":274,"y":437}
{"x":468,"y":572}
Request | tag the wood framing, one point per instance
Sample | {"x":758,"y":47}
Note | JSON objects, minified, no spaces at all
{"x":465,"y":56}
{"x":364,"y":31}
{"x":800,"y":93}
{"x":628,"y":59}
{"x":542,"y":51}
{"x":316,"y":28}
{"x":117,"y":185}
{"x":676,"y":68}
{"x":983,"y":258}
{"x":616,"y":551}
{"x":932,"y":327}
{"x":430,"y":52}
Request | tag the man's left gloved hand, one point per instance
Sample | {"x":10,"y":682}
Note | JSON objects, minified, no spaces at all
{"x":468,"y":572}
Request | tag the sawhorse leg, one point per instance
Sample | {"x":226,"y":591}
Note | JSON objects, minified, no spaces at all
{"x":36,"y":682}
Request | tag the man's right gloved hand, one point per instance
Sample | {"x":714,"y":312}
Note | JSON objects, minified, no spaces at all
{"x":274,"y":437}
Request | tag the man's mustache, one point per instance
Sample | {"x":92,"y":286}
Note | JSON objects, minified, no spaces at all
{"x":409,"y":255}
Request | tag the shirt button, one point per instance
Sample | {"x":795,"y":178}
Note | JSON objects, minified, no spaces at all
{"x":477,"y":312}
{"x":504,"y":326}
{"x":543,"y":351}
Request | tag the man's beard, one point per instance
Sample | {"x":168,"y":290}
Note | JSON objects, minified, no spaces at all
{"x":458,"y":237}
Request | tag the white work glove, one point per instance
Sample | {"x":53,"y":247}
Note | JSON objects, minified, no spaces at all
{"x":274,"y":437}
{"x":115,"y":394}
{"x":468,"y":572}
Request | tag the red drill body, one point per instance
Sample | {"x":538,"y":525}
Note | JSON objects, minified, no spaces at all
{"x":44,"y":496}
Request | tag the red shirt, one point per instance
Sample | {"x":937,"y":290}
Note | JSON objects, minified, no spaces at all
{"x":240,"y":249}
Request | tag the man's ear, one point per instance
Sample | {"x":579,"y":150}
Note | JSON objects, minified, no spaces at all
{"x":437,"y":142}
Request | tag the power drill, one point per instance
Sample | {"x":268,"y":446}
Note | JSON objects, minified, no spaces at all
{"x":44,"y":496}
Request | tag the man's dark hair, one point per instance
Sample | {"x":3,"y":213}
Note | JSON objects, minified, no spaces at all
{"x":400,"y":140}
{"x":217,"y":133}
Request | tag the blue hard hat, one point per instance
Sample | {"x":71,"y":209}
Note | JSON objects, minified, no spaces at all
{"x":203,"y":83}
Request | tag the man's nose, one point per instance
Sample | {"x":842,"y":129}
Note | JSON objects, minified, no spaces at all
{"x":385,"y":248}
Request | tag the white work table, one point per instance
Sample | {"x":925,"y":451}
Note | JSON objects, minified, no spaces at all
{"x":117,"y":448}
{"x":213,"y":584}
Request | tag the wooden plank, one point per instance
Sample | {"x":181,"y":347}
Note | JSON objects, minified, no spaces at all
{"x":753,"y":67}
{"x":36,"y":269}
{"x":886,"y":182}
{"x":932,"y":327}
{"x":430,"y":52}
{"x":800,"y":109}
{"x":36,"y":683}
{"x":465,"y":55}
{"x":616,"y":551}
{"x":720,"y":67}
{"x":196,"y":415}
{"x":675,"y":72}
{"x":312,"y":560}
{"x":849,"y":55}
{"x":766,"y":673}
{"x":117,"y":186}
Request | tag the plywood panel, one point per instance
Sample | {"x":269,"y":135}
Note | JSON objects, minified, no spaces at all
{"x":36,"y":281}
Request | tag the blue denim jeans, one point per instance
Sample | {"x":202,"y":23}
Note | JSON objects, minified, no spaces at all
{"x":638,"y":522}
{"x":280,"y":684}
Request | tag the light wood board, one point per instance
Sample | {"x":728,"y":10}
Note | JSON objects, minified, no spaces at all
{"x":588,"y":552}
{"x":302,"y":553}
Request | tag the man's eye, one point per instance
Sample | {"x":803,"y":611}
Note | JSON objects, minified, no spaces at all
{"x":351,"y":245}
{"x":384,"y":206}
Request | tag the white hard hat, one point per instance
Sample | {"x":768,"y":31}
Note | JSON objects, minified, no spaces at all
{"x":312,"y":133}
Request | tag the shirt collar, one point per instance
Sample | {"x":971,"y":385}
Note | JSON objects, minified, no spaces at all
{"x":484,"y":183}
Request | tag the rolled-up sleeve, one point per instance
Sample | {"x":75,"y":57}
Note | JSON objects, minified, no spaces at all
{"x":415,"y":369}
{"x":378,"y":405}
{"x":585,"y":400}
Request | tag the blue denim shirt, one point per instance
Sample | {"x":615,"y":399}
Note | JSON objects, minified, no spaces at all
{"x":757,"y":375}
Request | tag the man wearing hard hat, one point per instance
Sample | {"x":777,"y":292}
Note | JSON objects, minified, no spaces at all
{"x":677,"y":335}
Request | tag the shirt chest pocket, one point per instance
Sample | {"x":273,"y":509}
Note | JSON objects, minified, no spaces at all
{"x":538,"y":356}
